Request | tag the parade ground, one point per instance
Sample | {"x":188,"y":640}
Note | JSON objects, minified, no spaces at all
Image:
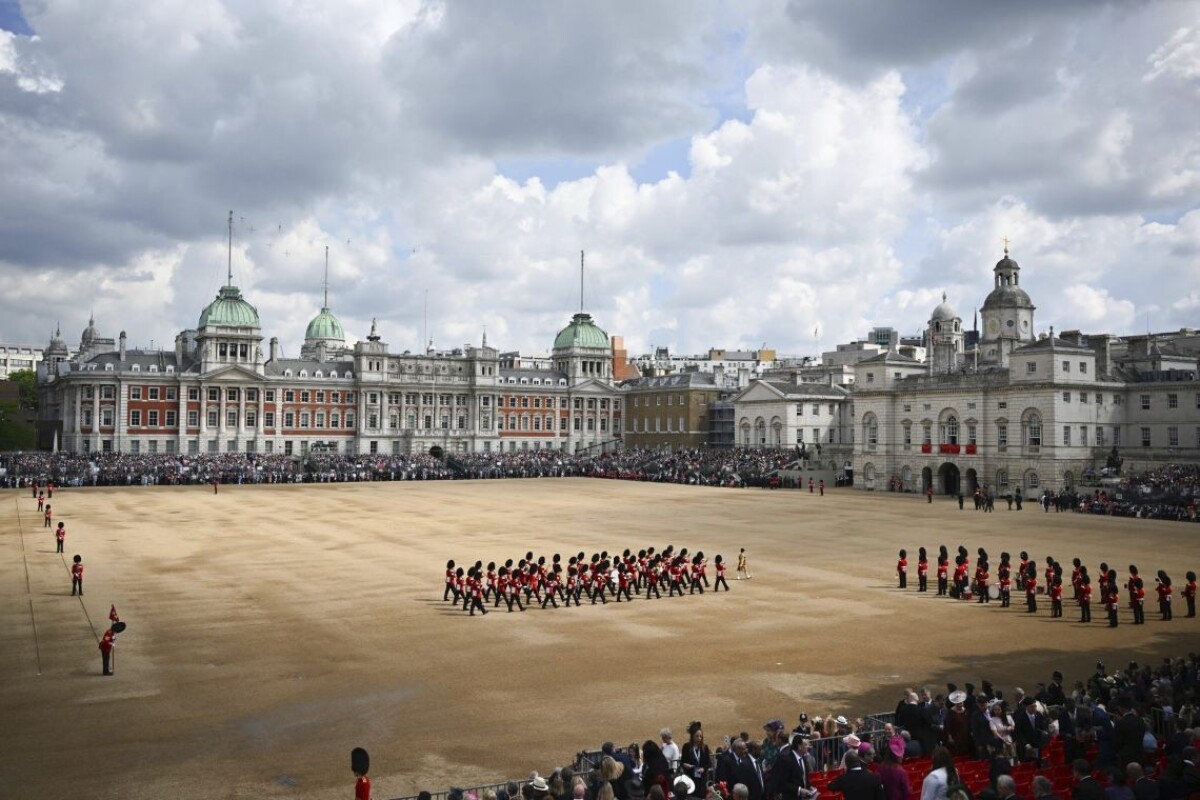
{"x":273,"y":628}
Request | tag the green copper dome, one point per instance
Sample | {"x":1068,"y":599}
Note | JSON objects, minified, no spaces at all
{"x":581,"y":332}
{"x":229,"y":309}
{"x":325,"y":326}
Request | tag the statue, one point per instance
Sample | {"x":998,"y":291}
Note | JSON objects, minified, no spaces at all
{"x":1114,"y":462}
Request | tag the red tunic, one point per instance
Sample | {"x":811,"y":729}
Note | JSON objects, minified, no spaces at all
{"x":1164,"y":593}
{"x":362,"y":788}
{"x":1085,"y":593}
{"x":60,"y":534}
{"x":902,"y":566}
{"x":106,"y":642}
{"x":942,"y":569}
{"x":77,"y":571}
{"x":922,"y":568}
{"x":1030,"y":587}
{"x":1190,"y":590}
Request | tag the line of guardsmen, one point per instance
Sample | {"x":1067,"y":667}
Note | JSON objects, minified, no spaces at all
{"x":963,"y":586}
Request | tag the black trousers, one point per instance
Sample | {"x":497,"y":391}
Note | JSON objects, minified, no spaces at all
{"x":106,"y":658}
{"x":716,"y":586}
{"x":652,"y":586}
{"x":1085,"y":613}
{"x":903,"y":580}
{"x":1191,"y":605}
{"x":922,"y":583}
{"x":1112,"y":618}
{"x":1005,"y":598}
{"x":59,"y":549}
{"x":1031,"y":603}
{"x":76,"y":583}
{"x":943,"y":585}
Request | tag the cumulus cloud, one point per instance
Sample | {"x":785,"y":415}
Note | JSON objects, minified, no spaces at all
{"x":816,"y":191}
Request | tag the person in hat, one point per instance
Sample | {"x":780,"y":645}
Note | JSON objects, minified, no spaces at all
{"x":1113,"y":599}
{"x":902,"y":568}
{"x":1055,"y":696}
{"x":1055,"y":591}
{"x":107,"y":644}
{"x":922,"y":570}
{"x":48,"y":516}
{"x":360,"y":765}
{"x":1031,"y":589}
{"x":1085,"y":598}
{"x":1004,"y":576}
{"x":1189,"y":593}
{"x":891,"y":774}
{"x":77,"y":574}
{"x":1137,"y":600}
{"x":958,"y":726}
{"x":60,"y":536}
{"x":943,"y":571}
{"x":1164,"y":590}
{"x":684,"y":787}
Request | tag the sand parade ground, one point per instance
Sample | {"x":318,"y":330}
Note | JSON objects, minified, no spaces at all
{"x":273,"y":628}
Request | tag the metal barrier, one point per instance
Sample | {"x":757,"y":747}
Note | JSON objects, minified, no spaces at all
{"x":477,"y":789}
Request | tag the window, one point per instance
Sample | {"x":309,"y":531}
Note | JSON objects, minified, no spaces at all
{"x":153,"y":392}
{"x":1083,"y":435}
{"x":251,"y":418}
{"x":1002,"y":404}
{"x":1172,"y":400}
{"x":372,"y":398}
{"x":1116,"y":435}
{"x":269,"y":395}
{"x":950,"y":430}
{"x":1145,"y":402}
{"x":1066,"y":435}
{"x":927,"y":434}
{"x":816,"y":409}
{"x":908,"y":406}
{"x":524,"y":402}
{"x":231,"y":418}
{"x":289,"y":419}
{"x":907,"y":434}
{"x":193,"y":418}
{"x":1099,"y":398}
{"x":1066,"y":366}
{"x":1118,"y":400}
{"x":212,"y":418}
{"x":193,"y":393}
{"x":799,"y":436}
{"x":289,"y":396}
{"x":1083,"y":368}
{"x":252,"y":395}
{"x":1083,"y":397}
{"x":214,"y":394}
{"x":135,"y":393}
{"x":135,"y":418}
{"x":1099,"y":436}
{"x":1033,"y":431}
{"x":1173,"y":436}
{"x":670,"y":399}
{"x":231,"y":395}
{"x":591,"y":404}
{"x":107,"y":393}
{"x":304,"y":395}
{"x":1002,"y":436}
{"x":372,"y":421}
{"x":305,"y":419}
{"x":971,"y":434}
{"x":1031,"y":479}
{"x":349,"y":419}
{"x":1030,"y":367}
{"x":870,"y":377}
{"x":135,"y":446}
{"x":152,"y":419}
{"x":269,"y":419}
{"x":872,"y":433}
{"x":171,"y":418}
{"x":1066,"y":397}
{"x":1145,"y":437}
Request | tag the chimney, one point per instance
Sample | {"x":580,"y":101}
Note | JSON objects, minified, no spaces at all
{"x":274,"y":347}
{"x":122,"y":356}
{"x":178,"y":351}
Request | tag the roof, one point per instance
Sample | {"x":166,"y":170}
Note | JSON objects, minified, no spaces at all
{"x":887,"y":356}
{"x":809,"y":389}
{"x":229,"y":309}
{"x":1007,"y":297}
{"x":684,"y":380}
{"x":325,"y":326}
{"x":143,"y":358}
{"x":1051,"y":342}
{"x":280,"y":365}
{"x":581,"y":332}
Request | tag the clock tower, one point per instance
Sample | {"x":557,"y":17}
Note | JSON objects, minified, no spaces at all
{"x":1007,"y":314}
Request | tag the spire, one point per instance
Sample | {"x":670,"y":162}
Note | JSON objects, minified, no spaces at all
{"x":943,"y":296}
{"x":580,"y":281}
{"x":325,"y":306}
{"x":1005,"y":245}
{"x":229,"y":274}
{"x":485,"y":335}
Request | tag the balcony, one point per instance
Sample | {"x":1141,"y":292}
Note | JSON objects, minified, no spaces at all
{"x":926,"y":448}
{"x":971,"y":449}
{"x":949,"y":449}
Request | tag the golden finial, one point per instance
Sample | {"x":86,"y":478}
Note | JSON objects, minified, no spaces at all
{"x":1005,"y":245}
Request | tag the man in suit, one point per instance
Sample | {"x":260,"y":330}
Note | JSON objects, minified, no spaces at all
{"x":745,"y":770}
{"x":1030,"y":732}
{"x":1128,"y":732}
{"x":1043,"y":789}
{"x":1143,"y":788}
{"x":1086,"y":787}
{"x":789,"y":774}
{"x":857,"y":783}
{"x":1006,"y":788}
{"x":1067,"y":729}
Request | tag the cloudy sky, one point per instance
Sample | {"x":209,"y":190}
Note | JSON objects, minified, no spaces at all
{"x":738,"y":173}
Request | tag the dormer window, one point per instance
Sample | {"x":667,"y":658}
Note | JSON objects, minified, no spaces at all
{"x":137,"y":367}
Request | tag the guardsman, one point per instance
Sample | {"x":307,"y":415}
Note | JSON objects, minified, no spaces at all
{"x":475,"y":587}
{"x":982,"y":580}
{"x":1189,"y":593}
{"x":811,"y":484}
{"x":821,"y":486}
{"x":929,"y":494}
{"x":1164,"y":595}
{"x":551,"y":589}
{"x":1113,"y":600}
{"x":943,"y":571}
{"x":1004,"y":573}
{"x":360,"y":765}
{"x":1085,"y":598}
{"x":1031,"y":589}
{"x":48,"y":516}
{"x":77,"y":575}
{"x":107,"y":644}
{"x":902,"y":568}
{"x":60,"y":535}
{"x":922,"y":570}
{"x":719,"y":564}
{"x":1056,"y":592}
{"x":1022,"y":570}
{"x":451,"y":588}
{"x":1078,"y":565}
{"x":1138,"y":601}
{"x":41,"y":501}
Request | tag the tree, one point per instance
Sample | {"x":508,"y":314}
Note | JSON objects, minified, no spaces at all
{"x":26,"y":380}
{"x":14,"y":434}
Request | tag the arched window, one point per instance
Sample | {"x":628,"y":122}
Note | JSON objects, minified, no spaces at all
{"x":950,"y":430}
{"x":1031,"y":429}
{"x":1031,"y":480}
{"x":870,"y":430}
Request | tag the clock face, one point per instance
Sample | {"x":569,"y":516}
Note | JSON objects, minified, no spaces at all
{"x":993,"y":327}
{"x":1010,"y":323}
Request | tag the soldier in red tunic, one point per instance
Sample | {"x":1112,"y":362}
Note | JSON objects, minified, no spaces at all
{"x":1075,"y":575}
{"x":41,"y":501}
{"x":720,"y":581}
{"x":982,"y":581}
{"x":1004,"y":573}
{"x":1138,"y":601}
{"x":451,"y":588}
{"x":1164,"y":595}
{"x":107,"y":644}
{"x":943,"y":571}
{"x":60,"y":536}
{"x":1031,"y":589}
{"x":475,"y":589}
{"x":360,"y":765}
{"x":1056,"y":591}
{"x":48,"y":516}
{"x":654,"y":578}
{"x":1189,"y":593}
{"x":922,"y":570}
{"x":77,"y":575}
{"x":1085,"y":598}
{"x":902,"y":569}
{"x":1113,"y":599}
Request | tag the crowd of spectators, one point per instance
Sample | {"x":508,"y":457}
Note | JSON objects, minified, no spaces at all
{"x":1141,"y":722}
{"x":737,"y":467}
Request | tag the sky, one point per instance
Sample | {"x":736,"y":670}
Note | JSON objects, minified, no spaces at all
{"x":787,"y":173}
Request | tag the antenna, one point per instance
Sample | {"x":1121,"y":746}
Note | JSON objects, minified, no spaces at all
{"x":326,"y":276}
{"x":229,"y":277}
{"x":580,"y":281}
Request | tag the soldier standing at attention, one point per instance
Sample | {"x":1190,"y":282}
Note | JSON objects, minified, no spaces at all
{"x":41,"y":498}
{"x":48,"y":516}
{"x":943,"y":571}
{"x":1085,"y":598}
{"x":1031,"y":589}
{"x":1113,"y":601}
{"x":77,"y":575}
{"x":1004,"y":573}
{"x":1189,"y":593}
{"x":902,"y":569}
{"x":360,"y":765}
{"x":60,"y":536}
{"x":922,"y":570}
